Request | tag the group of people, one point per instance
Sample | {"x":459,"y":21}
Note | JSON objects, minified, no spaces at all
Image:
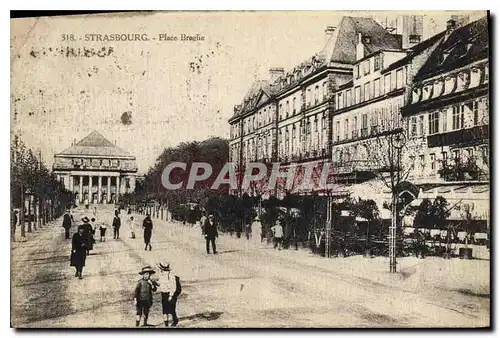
{"x":83,"y":240}
{"x":170,"y":289}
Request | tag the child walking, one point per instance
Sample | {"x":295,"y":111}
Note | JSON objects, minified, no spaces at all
{"x":102,"y":229}
{"x":143,"y":295}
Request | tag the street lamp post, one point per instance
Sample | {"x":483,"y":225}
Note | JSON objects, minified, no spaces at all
{"x":397,"y":142}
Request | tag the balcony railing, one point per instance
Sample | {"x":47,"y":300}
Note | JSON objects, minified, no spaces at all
{"x":459,"y":137}
{"x":349,"y":166}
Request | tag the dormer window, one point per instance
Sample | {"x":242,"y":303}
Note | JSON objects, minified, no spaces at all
{"x":367,"y":39}
{"x":414,"y":38}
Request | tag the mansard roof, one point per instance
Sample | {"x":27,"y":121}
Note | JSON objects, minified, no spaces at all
{"x":463,"y":46}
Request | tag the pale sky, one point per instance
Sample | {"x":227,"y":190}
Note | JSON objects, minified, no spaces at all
{"x":176,"y":91}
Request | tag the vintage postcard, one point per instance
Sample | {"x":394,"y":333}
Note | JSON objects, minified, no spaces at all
{"x":314,"y":169}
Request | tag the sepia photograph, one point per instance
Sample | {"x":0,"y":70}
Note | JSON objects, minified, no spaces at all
{"x":250,"y":169}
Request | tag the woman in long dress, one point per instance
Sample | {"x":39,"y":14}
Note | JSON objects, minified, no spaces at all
{"x":79,"y":251}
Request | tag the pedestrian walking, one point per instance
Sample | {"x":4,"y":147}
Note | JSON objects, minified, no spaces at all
{"x":170,"y":287}
{"x":79,"y":251}
{"x":131,"y":225}
{"x":116,"y":225}
{"x":102,"y":229}
{"x":277,"y":230}
{"x":210,"y":232}
{"x":248,"y":230}
{"x":147,"y":225}
{"x":257,"y":229}
{"x":87,"y":232}
{"x":13,"y":225}
{"x":143,"y":295}
{"x":67,"y":222}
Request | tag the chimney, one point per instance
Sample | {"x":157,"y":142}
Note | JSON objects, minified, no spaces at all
{"x":329,"y":32}
{"x":360,"y":48}
{"x":275,"y":73}
{"x":412,"y":30}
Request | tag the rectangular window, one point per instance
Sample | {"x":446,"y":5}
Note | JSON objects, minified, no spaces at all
{"x":433,"y":123}
{"x":422,"y":160}
{"x":387,"y":83}
{"x":456,"y":155}
{"x":367,"y":91}
{"x":458,"y":117}
{"x":475,"y":110}
{"x":399,"y":79}
{"x":355,"y":127}
{"x":421,"y":125}
{"x":337,"y":131}
{"x":376,"y":88}
{"x":444,"y":118}
{"x":444,"y":156}
{"x":433,"y":161}
{"x":364,"y":125}
{"x":377,"y":62}
{"x":346,"y":129}
{"x":413,"y":126}
{"x":348,"y":95}
{"x":340,"y":101}
{"x":356,"y":71}
{"x":357,"y":94}
{"x":366,"y":66}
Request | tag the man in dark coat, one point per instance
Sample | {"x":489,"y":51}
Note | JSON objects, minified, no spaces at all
{"x":143,"y":295}
{"x":210,"y":232}
{"x":147,"y":225}
{"x":67,"y":221}
{"x":79,"y":251}
{"x":116,"y":225}
{"x":170,"y":287}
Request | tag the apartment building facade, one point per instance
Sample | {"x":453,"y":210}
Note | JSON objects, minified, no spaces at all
{"x":330,"y":108}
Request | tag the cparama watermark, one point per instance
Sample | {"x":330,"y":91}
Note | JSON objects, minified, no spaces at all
{"x":267,"y":176}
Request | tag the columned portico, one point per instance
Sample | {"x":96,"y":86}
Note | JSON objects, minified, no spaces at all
{"x":95,"y":158}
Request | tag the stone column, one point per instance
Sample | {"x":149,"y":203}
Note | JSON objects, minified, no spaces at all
{"x":117,"y":188}
{"x":99,"y":187}
{"x":81,"y":189}
{"x":89,"y":194}
{"x":108,"y":194}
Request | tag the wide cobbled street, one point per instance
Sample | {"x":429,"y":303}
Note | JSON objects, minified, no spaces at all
{"x":247,"y":284}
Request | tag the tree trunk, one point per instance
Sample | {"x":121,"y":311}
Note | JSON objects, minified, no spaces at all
{"x":37,"y":213}
{"x":21,"y":214}
{"x":29,"y":213}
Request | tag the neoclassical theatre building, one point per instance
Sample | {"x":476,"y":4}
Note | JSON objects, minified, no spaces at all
{"x":96,"y":170}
